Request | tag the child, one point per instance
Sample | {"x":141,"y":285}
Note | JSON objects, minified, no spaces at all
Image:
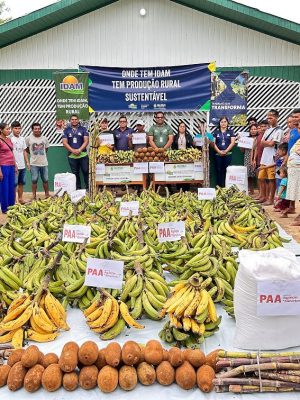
{"x":21,"y":158}
{"x":281,"y":204}
{"x":280,"y":161}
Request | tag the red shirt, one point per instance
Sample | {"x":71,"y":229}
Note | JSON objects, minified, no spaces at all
{"x":6,"y":154}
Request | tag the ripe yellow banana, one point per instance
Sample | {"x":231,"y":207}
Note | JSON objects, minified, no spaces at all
{"x":212,"y":312}
{"x":18,"y":322}
{"x":55,"y":313}
{"x":17,"y":339}
{"x":128,"y":318}
{"x":39,"y":337}
{"x":203,"y":302}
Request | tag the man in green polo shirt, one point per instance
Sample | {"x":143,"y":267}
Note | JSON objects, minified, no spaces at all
{"x":160,"y":134}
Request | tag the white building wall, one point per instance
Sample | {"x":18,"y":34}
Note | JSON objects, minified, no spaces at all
{"x":169,"y":34}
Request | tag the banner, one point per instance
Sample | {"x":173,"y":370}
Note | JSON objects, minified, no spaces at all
{"x":183,"y":88}
{"x":71,"y":95}
{"x":229,"y":97}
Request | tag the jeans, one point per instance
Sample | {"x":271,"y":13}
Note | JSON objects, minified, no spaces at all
{"x":221,"y":164}
{"x":7,"y":187}
{"x":20,"y":177}
{"x":36,"y":171}
{"x":77,"y":164}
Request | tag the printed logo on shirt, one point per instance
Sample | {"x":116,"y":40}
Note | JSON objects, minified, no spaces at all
{"x":38,"y":149}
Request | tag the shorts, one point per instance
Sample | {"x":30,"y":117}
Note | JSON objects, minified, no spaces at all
{"x":36,"y":171}
{"x":266,"y":173}
{"x":20,"y":177}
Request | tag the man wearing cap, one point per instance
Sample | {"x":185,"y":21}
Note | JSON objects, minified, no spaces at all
{"x":105,"y":148}
{"x":161,"y":134}
{"x":122,"y":135}
{"x":140,"y":130}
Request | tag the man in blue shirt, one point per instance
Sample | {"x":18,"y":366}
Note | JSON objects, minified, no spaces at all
{"x":294,"y":134}
{"x":122,"y":135}
{"x":75,"y":140}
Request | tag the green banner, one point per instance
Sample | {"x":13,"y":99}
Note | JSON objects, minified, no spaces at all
{"x":71,"y":94}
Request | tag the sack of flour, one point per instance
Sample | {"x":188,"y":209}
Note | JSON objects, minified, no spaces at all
{"x":255,"y":332}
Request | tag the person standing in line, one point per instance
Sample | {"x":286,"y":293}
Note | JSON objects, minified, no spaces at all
{"x":248,"y":159}
{"x":21,"y":157}
{"x":272,"y":137}
{"x":160,"y":134}
{"x":140,"y":129}
{"x":290,"y":127}
{"x":182,"y":140}
{"x":224,"y":141}
{"x":37,"y":147}
{"x":75,"y":140}
{"x":258,"y":149}
{"x":123,"y":135}
{"x":8,"y":169}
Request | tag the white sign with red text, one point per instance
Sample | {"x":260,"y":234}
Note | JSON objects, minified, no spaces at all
{"x":77,"y":195}
{"x":107,"y":139}
{"x":139,"y":138}
{"x":104,"y":273}
{"x":157,"y":167}
{"x":206,"y":193}
{"x":236,"y":179}
{"x":278,"y":298}
{"x":246,"y":142}
{"x":64,"y":182}
{"x":76,"y":233}
{"x":127,"y":206}
{"x":140,"y":168}
{"x":170,"y":231}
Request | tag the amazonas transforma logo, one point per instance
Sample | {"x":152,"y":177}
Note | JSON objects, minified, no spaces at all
{"x":71,"y":85}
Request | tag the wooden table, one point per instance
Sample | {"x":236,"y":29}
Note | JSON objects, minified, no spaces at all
{"x":122,"y":182}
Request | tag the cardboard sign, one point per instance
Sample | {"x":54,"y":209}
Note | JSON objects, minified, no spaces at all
{"x":198,"y":166}
{"x":127,"y":206}
{"x":140,"y":168}
{"x":104,"y":273}
{"x":157,"y":167}
{"x":76,"y":233}
{"x":206,"y":193}
{"x":77,"y":195}
{"x":100,"y":169}
{"x":198,"y":141}
{"x":243,"y":134}
{"x":107,"y":139}
{"x":170,"y":231}
{"x":139,"y":138}
{"x":246,"y":142}
{"x":236,"y":179}
{"x":278,"y":298}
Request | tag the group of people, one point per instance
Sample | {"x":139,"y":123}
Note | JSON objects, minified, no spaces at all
{"x":273,"y":161}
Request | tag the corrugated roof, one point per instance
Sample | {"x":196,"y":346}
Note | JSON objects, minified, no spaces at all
{"x":66,"y":10}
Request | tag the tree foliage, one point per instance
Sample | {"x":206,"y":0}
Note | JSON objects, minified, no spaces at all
{"x":3,"y":9}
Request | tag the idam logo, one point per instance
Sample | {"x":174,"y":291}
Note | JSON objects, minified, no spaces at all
{"x":71,"y":85}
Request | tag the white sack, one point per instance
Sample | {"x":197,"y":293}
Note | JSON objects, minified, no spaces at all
{"x":237,"y":175}
{"x":263,"y":332}
{"x":66,"y":182}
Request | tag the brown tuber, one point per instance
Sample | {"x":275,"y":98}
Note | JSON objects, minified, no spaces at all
{"x":50,"y":358}
{"x":146,"y":374}
{"x":4,"y":371}
{"x":195,"y":357}
{"x":30,"y":356}
{"x":153,"y":352}
{"x":52,"y":378}
{"x":131,"y":353}
{"x":101,"y":362}
{"x":165,"y":373}
{"x":88,"y":353}
{"x":69,"y":357}
{"x":108,"y":379}
{"x":15,"y":356}
{"x":127,"y":377}
{"x":88,"y":377}
{"x":33,"y":378}
{"x":113,"y":354}
{"x":205,"y":377}
{"x":211,"y":358}
{"x":70,"y":381}
{"x":16,"y":376}
{"x":176,"y":357}
{"x":185,"y":376}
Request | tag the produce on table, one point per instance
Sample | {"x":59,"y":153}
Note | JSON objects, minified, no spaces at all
{"x":111,"y":372}
{"x":184,"y":155}
{"x":146,"y":154}
{"x":30,"y":243}
{"x":117,"y":157}
{"x":240,"y":372}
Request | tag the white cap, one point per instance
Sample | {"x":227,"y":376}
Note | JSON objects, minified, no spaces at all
{"x":140,"y":122}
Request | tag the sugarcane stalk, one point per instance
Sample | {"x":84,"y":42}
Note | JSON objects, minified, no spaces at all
{"x":239,"y":354}
{"x":255,"y":382}
{"x":256,"y":389}
{"x":221,"y":389}
{"x":280,"y":377}
{"x":225,"y":362}
{"x":242,"y":369}
{"x":289,"y":372}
